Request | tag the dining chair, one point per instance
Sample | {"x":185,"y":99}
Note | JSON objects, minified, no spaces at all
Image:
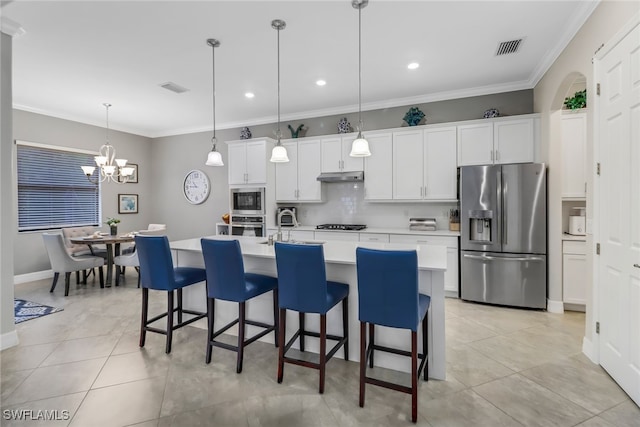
{"x":158,"y":273}
{"x":62,"y":262}
{"x":388,"y":296}
{"x":303,"y":287}
{"x":227,"y":281}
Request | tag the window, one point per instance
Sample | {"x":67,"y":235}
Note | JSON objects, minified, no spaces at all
{"x":52,"y":190}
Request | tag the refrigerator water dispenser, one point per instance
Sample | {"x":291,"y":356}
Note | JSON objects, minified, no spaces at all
{"x":480,"y":225}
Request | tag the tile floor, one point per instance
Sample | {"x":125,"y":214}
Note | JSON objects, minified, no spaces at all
{"x":505,"y":367}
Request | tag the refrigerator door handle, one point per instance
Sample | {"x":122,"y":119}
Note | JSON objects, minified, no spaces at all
{"x":505,"y":193}
{"x":499,"y":201}
{"x":494,"y":258}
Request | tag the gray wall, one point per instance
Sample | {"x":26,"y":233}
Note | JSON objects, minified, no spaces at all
{"x":7,"y":219}
{"x":29,"y":252}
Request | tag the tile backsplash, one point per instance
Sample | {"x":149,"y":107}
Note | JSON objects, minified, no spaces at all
{"x":345,"y":204}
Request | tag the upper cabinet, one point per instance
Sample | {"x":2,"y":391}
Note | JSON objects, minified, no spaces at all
{"x":498,"y":141}
{"x":335,"y":155}
{"x":574,"y":155}
{"x":248,"y":162}
{"x":378,"y":167}
{"x":296,"y":180}
{"x":424,"y":164}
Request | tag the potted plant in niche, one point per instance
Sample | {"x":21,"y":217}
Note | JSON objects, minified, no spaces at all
{"x":113,"y":225}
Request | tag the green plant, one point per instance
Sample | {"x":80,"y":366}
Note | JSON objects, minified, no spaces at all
{"x":579,"y":100}
{"x":112,"y":221}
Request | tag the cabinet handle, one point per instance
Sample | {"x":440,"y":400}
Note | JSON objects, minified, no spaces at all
{"x":425,"y":191}
{"x":636,"y":265}
{"x":585,"y":188}
{"x":497,"y":155}
{"x":492,"y":155}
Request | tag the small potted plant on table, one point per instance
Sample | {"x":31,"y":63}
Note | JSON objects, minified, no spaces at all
{"x":113,"y":225}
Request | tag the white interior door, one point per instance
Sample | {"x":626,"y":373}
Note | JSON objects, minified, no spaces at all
{"x":618,"y":73}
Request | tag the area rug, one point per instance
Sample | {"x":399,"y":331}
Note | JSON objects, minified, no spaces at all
{"x":27,"y":310}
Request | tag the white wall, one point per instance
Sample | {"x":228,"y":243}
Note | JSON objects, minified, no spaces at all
{"x":604,"y":22}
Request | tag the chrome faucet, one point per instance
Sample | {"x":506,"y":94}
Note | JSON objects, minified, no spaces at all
{"x":295,"y":223}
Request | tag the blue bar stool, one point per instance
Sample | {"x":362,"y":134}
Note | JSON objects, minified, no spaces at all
{"x":304,"y":288}
{"x":388,"y":296}
{"x":227,"y":280}
{"x":157,"y":272}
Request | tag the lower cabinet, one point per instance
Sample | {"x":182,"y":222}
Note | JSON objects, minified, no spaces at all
{"x":345,"y":236}
{"x":451,"y":242}
{"x":574,"y":272}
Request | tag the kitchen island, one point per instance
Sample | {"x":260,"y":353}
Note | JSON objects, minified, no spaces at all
{"x":340,"y":259}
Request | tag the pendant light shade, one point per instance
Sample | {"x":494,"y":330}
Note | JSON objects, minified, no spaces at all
{"x":360,"y":146}
{"x":279,"y":153}
{"x":214,"y":158}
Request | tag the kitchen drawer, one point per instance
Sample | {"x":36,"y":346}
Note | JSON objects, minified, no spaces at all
{"x":573,"y":247}
{"x":448,"y":241}
{"x":344,"y":236}
{"x":374,"y":237}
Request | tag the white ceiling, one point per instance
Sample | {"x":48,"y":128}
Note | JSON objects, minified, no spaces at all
{"x":76,"y":55}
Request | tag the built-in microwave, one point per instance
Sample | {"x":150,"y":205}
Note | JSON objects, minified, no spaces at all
{"x":247,"y":201}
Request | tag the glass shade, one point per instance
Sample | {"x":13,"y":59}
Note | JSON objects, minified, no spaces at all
{"x":279,"y":154}
{"x":109,"y":170}
{"x":88,"y":170}
{"x":127,"y":171}
{"x":214,"y":159}
{"x":100,"y":160}
{"x":121,"y":162}
{"x":360,"y":147}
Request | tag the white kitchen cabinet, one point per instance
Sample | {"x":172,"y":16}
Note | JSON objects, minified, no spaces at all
{"x":378,"y":168}
{"x":335,"y":155}
{"x":345,"y":236}
{"x":450,"y":242}
{"x":247,"y":162}
{"x":574,"y":272}
{"x":497,"y":141}
{"x":574,"y":155}
{"x":290,"y":233}
{"x":296,"y":180}
{"x":424,"y":164}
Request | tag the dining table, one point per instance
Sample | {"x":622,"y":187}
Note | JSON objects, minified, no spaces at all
{"x":113,"y":248}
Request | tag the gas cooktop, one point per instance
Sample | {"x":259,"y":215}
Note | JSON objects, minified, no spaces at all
{"x":347,"y":227}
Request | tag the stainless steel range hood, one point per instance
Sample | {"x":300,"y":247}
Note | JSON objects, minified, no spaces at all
{"x":341,"y":176}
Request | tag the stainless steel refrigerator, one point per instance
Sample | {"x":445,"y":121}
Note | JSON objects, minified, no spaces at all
{"x":503,"y":234}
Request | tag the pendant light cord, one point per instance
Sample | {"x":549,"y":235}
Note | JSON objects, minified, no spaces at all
{"x":213,"y":67}
{"x":278,"y":135}
{"x":106,"y":132}
{"x":360,"y":70}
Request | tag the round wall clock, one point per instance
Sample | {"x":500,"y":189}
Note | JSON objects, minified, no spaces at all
{"x":196,"y":187}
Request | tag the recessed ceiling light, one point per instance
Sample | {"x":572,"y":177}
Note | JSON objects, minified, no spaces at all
{"x":321,"y":83}
{"x":249,"y":95}
{"x":413,"y":66}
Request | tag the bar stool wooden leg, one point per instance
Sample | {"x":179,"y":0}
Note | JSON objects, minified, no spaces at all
{"x":241,"y":330}
{"x":414,"y":376}
{"x":283,"y":328}
{"x":425,"y":346}
{"x":301,"y":317}
{"x":372,"y":341}
{"x":145,"y":315}
{"x":210,"y":320}
{"x":55,"y":281}
{"x":345,"y":326}
{"x":169,"y":321}
{"x":323,"y":350}
{"x":276,"y":323}
{"x":363,"y":360}
{"x":179,"y":292}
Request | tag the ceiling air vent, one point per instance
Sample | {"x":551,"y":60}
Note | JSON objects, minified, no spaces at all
{"x":511,"y":46}
{"x":174,"y":87}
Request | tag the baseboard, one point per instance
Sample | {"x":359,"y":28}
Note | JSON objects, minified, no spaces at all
{"x":555,"y":306}
{"x":588,"y":350}
{"x":31,"y":277}
{"x":10,"y":339}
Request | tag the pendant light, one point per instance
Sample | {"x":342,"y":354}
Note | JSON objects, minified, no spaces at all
{"x":214,"y":158}
{"x":279,"y":153}
{"x":109,"y":168}
{"x":360,"y":146}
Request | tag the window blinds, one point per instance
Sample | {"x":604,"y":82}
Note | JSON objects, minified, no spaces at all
{"x":52,"y":190}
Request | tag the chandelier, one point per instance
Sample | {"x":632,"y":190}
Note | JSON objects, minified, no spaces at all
{"x":109,"y":168}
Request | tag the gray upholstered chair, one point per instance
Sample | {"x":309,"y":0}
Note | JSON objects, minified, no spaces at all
{"x":63,"y":262}
{"x":131,"y":259}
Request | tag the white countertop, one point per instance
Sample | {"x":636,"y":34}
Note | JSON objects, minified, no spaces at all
{"x":377,"y":230}
{"x":336,"y":252}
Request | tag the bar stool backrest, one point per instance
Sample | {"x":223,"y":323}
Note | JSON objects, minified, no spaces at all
{"x":225,"y":269}
{"x":388,"y":288}
{"x":302,"y":280}
{"x":156,"y":264}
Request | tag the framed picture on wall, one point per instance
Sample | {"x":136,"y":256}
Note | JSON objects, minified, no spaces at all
{"x":127,"y":203}
{"x":133,"y":179}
